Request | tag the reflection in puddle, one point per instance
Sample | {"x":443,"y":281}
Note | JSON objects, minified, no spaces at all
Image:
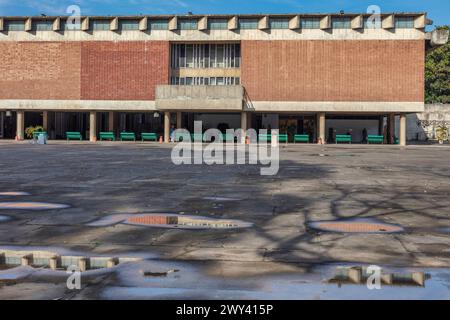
{"x":4,"y":218}
{"x":31,"y":206}
{"x":192,"y":283}
{"x":171,"y":221}
{"x":14,"y":194}
{"x":12,"y":258}
{"x":221,"y":199}
{"x":361,"y":275}
{"x":356,"y":226}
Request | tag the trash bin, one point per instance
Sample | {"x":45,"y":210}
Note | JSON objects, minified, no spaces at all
{"x":42,"y":138}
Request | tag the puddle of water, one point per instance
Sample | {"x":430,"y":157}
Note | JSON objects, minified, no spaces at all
{"x":14,"y":194}
{"x":184,"y":222}
{"x":221,"y":199}
{"x":109,"y":220}
{"x":4,"y":218}
{"x":191,"y":283}
{"x":57,"y":260}
{"x":174,"y":221}
{"x":356,"y":226}
{"x":31,"y":206}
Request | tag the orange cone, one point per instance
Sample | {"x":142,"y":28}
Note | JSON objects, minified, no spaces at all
{"x":160,"y":139}
{"x":247,"y":140}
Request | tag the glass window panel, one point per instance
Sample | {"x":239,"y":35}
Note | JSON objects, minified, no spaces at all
{"x":279,"y":23}
{"x":15,"y":25}
{"x":187,"y":24}
{"x":100,"y":25}
{"x":341,"y":23}
{"x":248,"y":23}
{"x":46,"y":25}
{"x":404,"y":22}
{"x":217,"y":24}
{"x":160,"y":24}
{"x":220,"y":81}
{"x":310,"y":23}
{"x":128,"y":24}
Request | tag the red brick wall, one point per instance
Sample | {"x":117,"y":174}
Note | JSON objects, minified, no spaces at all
{"x":123,"y":70}
{"x":40,"y":70}
{"x":334,"y":70}
{"x":83,"y":70}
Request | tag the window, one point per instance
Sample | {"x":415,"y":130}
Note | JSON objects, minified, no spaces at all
{"x":204,"y":81}
{"x":310,"y":23}
{"x":187,"y":24}
{"x":159,"y":24}
{"x":45,"y":25}
{"x":217,"y":24}
{"x":15,"y":25}
{"x":70,"y":25}
{"x":226,"y":55}
{"x":101,"y":25}
{"x":404,"y":22}
{"x":341,"y":23}
{"x":128,"y":24}
{"x":248,"y":23}
{"x":279,"y":23}
{"x":375,"y":23}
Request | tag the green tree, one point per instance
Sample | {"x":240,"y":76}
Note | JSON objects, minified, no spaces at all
{"x":437,"y":69}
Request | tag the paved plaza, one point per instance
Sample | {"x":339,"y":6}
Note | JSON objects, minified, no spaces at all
{"x":403,"y":186}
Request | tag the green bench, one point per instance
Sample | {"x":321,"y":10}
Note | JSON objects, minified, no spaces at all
{"x":197,"y":137}
{"x":182,"y":136}
{"x":343,"y":138}
{"x":227,"y":137}
{"x":268,"y":138}
{"x":107,"y":136}
{"x":283,"y":138}
{"x":301,"y":138}
{"x":127,"y":136}
{"x":264,"y":137}
{"x":148,"y":136}
{"x":74,"y":136}
{"x":375,"y":139}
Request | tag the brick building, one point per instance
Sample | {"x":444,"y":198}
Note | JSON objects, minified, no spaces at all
{"x":317,"y":74}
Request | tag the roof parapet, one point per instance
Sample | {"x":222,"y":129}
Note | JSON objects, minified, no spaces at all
{"x":325,"y":23}
{"x":439,"y":37}
{"x":294,"y":23}
{"x":388,"y":22}
{"x":233,"y":23}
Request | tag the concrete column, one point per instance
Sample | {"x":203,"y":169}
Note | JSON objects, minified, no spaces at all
{"x":391,"y":128}
{"x":403,"y":129}
{"x":166,"y":127}
{"x":93,"y":126}
{"x":321,"y":130}
{"x":45,"y":120}
{"x":20,"y":128}
{"x":244,"y":126}
{"x":179,"y":118}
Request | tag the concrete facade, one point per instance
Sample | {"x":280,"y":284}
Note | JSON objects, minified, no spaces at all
{"x":294,"y":70}
{"x":422,"y":126}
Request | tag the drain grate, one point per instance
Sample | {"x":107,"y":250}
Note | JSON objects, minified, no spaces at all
{"x":356,"y":226}
{"x":32,"y":206}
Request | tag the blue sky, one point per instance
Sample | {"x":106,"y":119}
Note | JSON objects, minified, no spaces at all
{"x":439,"y":10}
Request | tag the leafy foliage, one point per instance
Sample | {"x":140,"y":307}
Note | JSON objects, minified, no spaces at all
{"x":30,"y":130}
{"x":437,"y":69}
